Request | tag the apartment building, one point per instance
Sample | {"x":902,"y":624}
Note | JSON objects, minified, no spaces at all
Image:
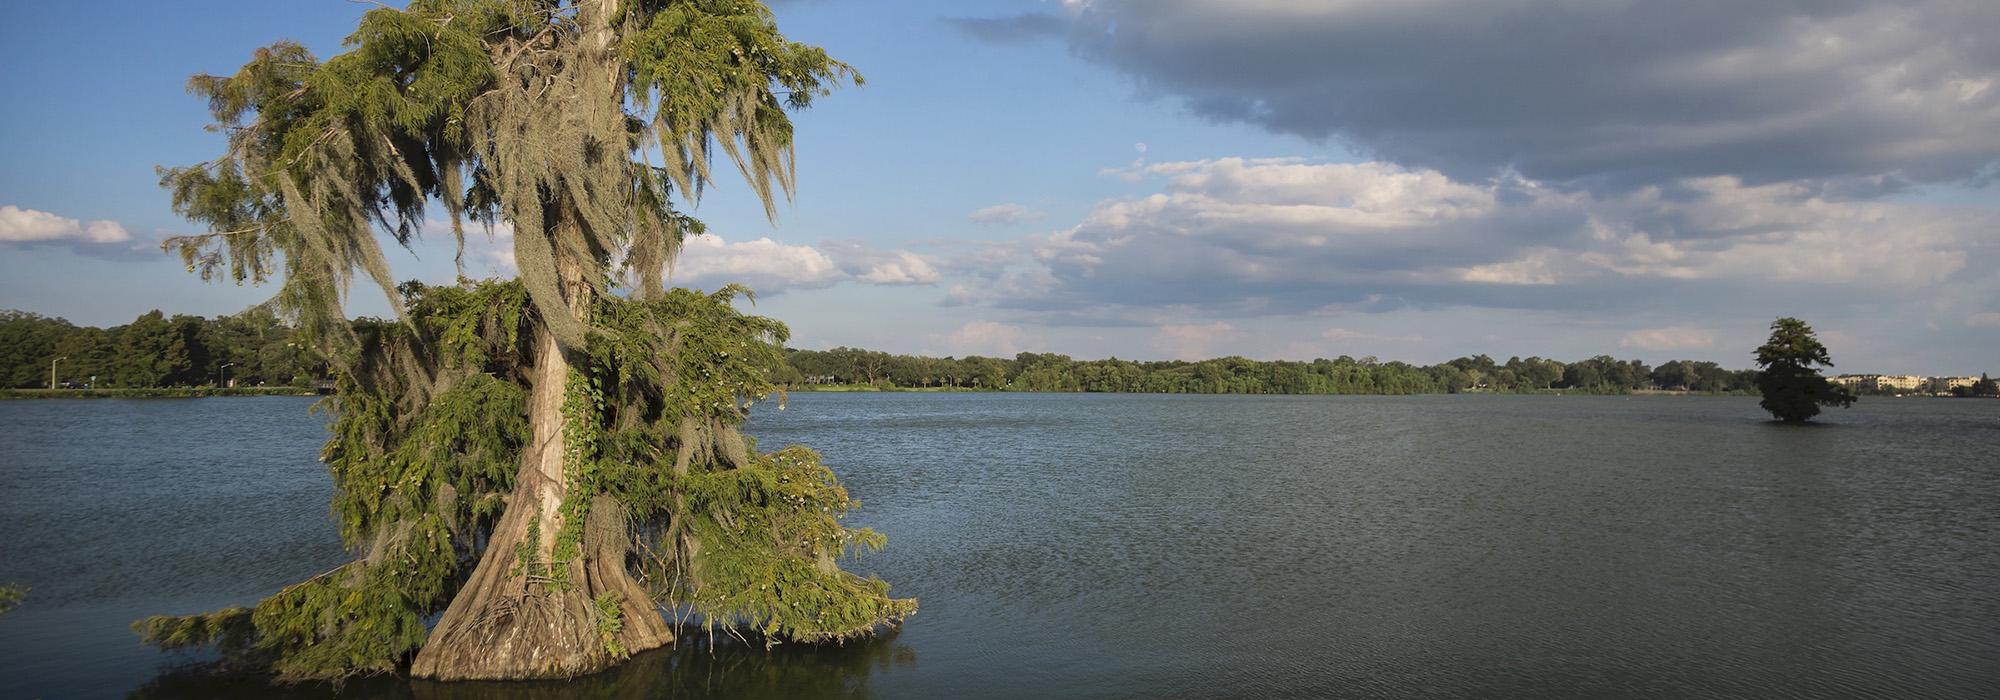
{"x":1946,"y":384}
{"x":1898,"y":382}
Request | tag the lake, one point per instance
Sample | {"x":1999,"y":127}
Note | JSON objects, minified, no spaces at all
{"x":1145,"y":546}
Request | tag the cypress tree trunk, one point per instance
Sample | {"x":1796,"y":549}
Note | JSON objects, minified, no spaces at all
{"x":581,"y":611}
{"x":519,"y":112}
{"x":530,"y":609}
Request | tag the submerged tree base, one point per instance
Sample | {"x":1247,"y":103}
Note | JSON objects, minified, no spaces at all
{"x":546,"y":463}
{"x":559,"y":564}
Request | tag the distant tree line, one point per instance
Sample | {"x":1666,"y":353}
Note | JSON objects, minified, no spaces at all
{"x":256,"y":347}
{"x":1986,"y":386}
{"x":1236,"y":375}
{"x":155,"y":350}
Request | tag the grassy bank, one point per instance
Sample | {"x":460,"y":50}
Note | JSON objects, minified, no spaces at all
{"x":175,"y":392}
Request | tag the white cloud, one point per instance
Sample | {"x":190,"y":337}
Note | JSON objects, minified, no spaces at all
{"x":105,"y":232}
{"x":1231,"y":236}
{"x":1336,"y":341}
{"x":1669,"y":338}
{"x":771,"y":267}
{"x":1374,"y":194}
{"x":1192,"y":342}
{"x":1984,"y":319}
{"x":901,"y":267}
{"x":486,"y":251}
{"x":19,"y":225}
{"x":1003,"y":214}
{"x":990,"y":338}
{"x":1532,"y":270}
{"x":764,"y":265}
{"x":1782,"y":232}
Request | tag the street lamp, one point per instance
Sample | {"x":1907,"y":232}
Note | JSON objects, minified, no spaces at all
{"x":222,"y":373}
{"x":52,"y":372}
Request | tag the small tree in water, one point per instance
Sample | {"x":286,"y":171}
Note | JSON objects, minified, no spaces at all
{"x":540,"y":465}
{"x":1790,"y":381}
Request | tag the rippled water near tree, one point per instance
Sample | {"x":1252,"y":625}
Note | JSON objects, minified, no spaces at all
{"x":1121,"y":545}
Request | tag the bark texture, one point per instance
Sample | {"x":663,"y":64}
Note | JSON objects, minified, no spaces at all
{"x":527,"y":471}
{"x":507,"y":625}
{"x":515,"y":621}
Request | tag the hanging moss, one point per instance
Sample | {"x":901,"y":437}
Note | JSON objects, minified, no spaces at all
{"x":653,"y":420}
{"x":539,"y":114}
{"x":767,"y":525}
{"x":425,"y":441}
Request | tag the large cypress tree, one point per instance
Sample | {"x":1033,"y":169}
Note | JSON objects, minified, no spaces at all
{"x":548,"y":461}
{"x":1790,"y":380}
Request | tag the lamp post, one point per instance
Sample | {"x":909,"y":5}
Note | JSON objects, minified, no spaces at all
{"x":222,"y":373}
{"x":52,"y":372}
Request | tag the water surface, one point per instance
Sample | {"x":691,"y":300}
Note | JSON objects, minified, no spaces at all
{"x":1131,"y":545}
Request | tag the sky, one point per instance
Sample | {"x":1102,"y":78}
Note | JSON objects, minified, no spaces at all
{"x":1180,"y":179}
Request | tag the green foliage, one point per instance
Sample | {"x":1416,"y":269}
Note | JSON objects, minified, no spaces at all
{"x":850,"y":367}
{"x":197,"y":392}
{"x":539,"y":113}
{"x":1790,"y":381}
{"x":252,"y":348}
{"x":528,"y":556}
{"x":27,"y":347}
{"x":228,"y":629}
{"x":730,"y":51}
{"x":773,"y":531}
{"x":11,"y":596}
{"x":610,"y":621}
{"x":734,"y":536}
{"x":447,"y":101}
{"x":426,"y":438}
{"x":430,"y":421}
{"x":265,"y":349}
{"x":157,"y":350}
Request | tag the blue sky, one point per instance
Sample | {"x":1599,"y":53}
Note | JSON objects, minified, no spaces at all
{"x":1191,"y":178}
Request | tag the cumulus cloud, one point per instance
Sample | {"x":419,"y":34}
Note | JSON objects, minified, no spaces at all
{"x":105,"y":232}
{"x":1535,"y":269}
{"x":1670,"y":338}
{"x":767,"y":266}
{"x":488,"y":251}
{"x":861,"y":261}
{"x":1229,"y":237}
{"x":901,"y":267}
{"x":764,"y":265}
{"x":989,"y":338}
{"x":1191,"y":341}
{"x":19,"y":225}
{"x":1614,"y":92}
{"x":1003,"y":214}
{"x":773,"y":267}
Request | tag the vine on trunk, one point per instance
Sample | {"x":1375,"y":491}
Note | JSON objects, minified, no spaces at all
{"x":542,"y":459}
{"x":420,"y":482}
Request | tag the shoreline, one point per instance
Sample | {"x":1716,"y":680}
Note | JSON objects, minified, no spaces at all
{"x":891,"y":389}
{"x":179,"y":392}
{"x":237,"y":392}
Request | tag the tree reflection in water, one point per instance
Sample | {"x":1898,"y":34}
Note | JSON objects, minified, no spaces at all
{"x":693,"y":667}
